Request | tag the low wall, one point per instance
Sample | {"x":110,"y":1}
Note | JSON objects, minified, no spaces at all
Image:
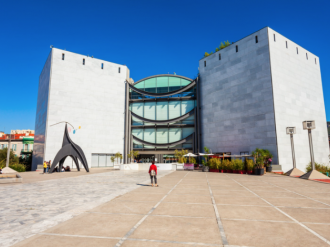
{"x":145,"y":166}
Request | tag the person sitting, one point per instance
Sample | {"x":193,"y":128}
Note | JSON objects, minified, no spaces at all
{"x":63,"y":170}
{"x":67,"y":169}
{"x":0,"y":171}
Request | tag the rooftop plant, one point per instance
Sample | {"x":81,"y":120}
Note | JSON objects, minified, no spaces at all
{"x":221,"y":46}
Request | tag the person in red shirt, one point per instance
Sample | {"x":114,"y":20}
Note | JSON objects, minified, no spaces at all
{"x":153,"y":174}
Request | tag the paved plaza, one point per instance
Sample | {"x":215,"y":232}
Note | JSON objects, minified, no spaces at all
{"x":188,"y":209}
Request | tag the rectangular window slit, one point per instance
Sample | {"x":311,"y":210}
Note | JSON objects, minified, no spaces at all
{"x":236,"y":48}
{"x":63,"y":56}
{"x":119,"y":70}
{"x":306,"y":56}
{"x":286,"y":44}
{"x":204,"y":63}
{"x":84,"y":61}
{"x":315,"y":61}
{"x":256,"y":39}
{"x":274,"y":37}
{"x":297,"y":50}
{"x":219,"y":56}
{"x":101,"y":65}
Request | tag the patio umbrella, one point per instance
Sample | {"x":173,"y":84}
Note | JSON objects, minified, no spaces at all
{"x":190,"y":155}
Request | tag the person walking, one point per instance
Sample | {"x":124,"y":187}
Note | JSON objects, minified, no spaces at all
{"x":45,"y":166}
{"x":153,"y":174}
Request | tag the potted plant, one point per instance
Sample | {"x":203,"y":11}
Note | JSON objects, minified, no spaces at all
{"x":227,"y":165}
{"x":221,"y":166}
{"x":214,"y":164}
{"x":268,"y":160}
{"x":259,"y":159}
{"x":249,"y":166}
{"x":240,"y":166}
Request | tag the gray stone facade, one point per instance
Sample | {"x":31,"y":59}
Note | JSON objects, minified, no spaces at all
{"x":255,"y":91}
{"x":237,"y":110}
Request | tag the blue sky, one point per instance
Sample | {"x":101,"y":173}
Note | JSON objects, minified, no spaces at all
{"x":149,"y":36}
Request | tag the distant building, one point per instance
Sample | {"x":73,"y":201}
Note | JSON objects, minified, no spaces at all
{"x":21,"y":142}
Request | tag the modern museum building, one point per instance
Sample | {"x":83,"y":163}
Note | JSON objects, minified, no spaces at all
{"x":244,"y":97}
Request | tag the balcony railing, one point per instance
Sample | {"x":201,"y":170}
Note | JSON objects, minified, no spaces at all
{"x":26,"y":150}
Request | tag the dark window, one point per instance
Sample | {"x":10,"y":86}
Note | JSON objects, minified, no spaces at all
{"x":119,"y":70}
{"x":236,"y":48}
{"x":297,"y":50}
{"x":219,"y":56}
{"x":63,"y":56}
{"x":84,"y":61}
{"x":256,"y":39}
{"x":274,"y":37}
{"x":315,"y":61}
{"x":286,"y":43}
{"x":306,"y":56}
{"x":101,"y":65}
{"x":204,"y":63}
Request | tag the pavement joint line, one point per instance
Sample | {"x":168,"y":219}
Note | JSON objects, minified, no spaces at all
{"x":130,"y":232}
{"x":272,"y":221}
{"x":158,"y":215}
{"x":132,"y":239}
{"x":300,"y":194}
{"x":298,"y":222}
{"x":221,"y":229}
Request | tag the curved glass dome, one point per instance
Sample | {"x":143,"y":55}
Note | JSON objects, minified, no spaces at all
{"x":162,"y":83}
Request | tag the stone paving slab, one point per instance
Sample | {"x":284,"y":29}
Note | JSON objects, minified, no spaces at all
{"x":244,"y":213}
{"x":30,"y":208}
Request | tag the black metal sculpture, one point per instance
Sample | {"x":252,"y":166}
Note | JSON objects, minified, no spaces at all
{"x":69,"y":148}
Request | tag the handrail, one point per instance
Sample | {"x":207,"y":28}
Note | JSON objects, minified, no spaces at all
{"x":192,"y":84}
{"x":188,"y":114}
{"x":163,"y":144}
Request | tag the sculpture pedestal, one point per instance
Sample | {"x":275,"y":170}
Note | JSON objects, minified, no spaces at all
{"x":294,"y":172}
{"x":314,"y":175}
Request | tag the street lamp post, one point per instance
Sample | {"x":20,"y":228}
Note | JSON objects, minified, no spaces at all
{"x":294,"y":172}
{"x":8,"y":150}
{"x":309,"y":125}
{"x":313,"y":174}
{"x":290,"y":131}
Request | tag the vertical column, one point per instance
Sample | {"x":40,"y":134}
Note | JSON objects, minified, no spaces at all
{"x":126,"y":140}
{"x":292,"y":149}
{"x":198,"y":130}
{"x":311,"y":148}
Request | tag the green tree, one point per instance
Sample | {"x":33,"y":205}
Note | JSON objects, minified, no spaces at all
{"x":113,"y":159}
{"x":118,"y":156}
{"x":133,"y":154}
{"x":206,"y":54}
{"x":180,"y":155}
{"x":3,"y":158}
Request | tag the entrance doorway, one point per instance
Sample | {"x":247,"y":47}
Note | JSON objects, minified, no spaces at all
{"x":145,"y":158}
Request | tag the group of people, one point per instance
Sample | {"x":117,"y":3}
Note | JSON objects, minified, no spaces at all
{"x":47,"y":167}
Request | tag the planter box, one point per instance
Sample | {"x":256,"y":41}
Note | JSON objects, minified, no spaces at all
{"x":249,"y":172}
{"x":260,"y":171}
{"x":206,"y":169}
{"x":222,"y":171}
{"x":269,"y":169}
{"x":229,"y":171}
{"x":235,"y":171}
{"x":214,"y":170}
{"x":241,"y":172}
{"x":188,"y":166}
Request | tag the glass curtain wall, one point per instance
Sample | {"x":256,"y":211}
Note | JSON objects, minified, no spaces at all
{"x":162,"y":84}
{"x":162,"y":110}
